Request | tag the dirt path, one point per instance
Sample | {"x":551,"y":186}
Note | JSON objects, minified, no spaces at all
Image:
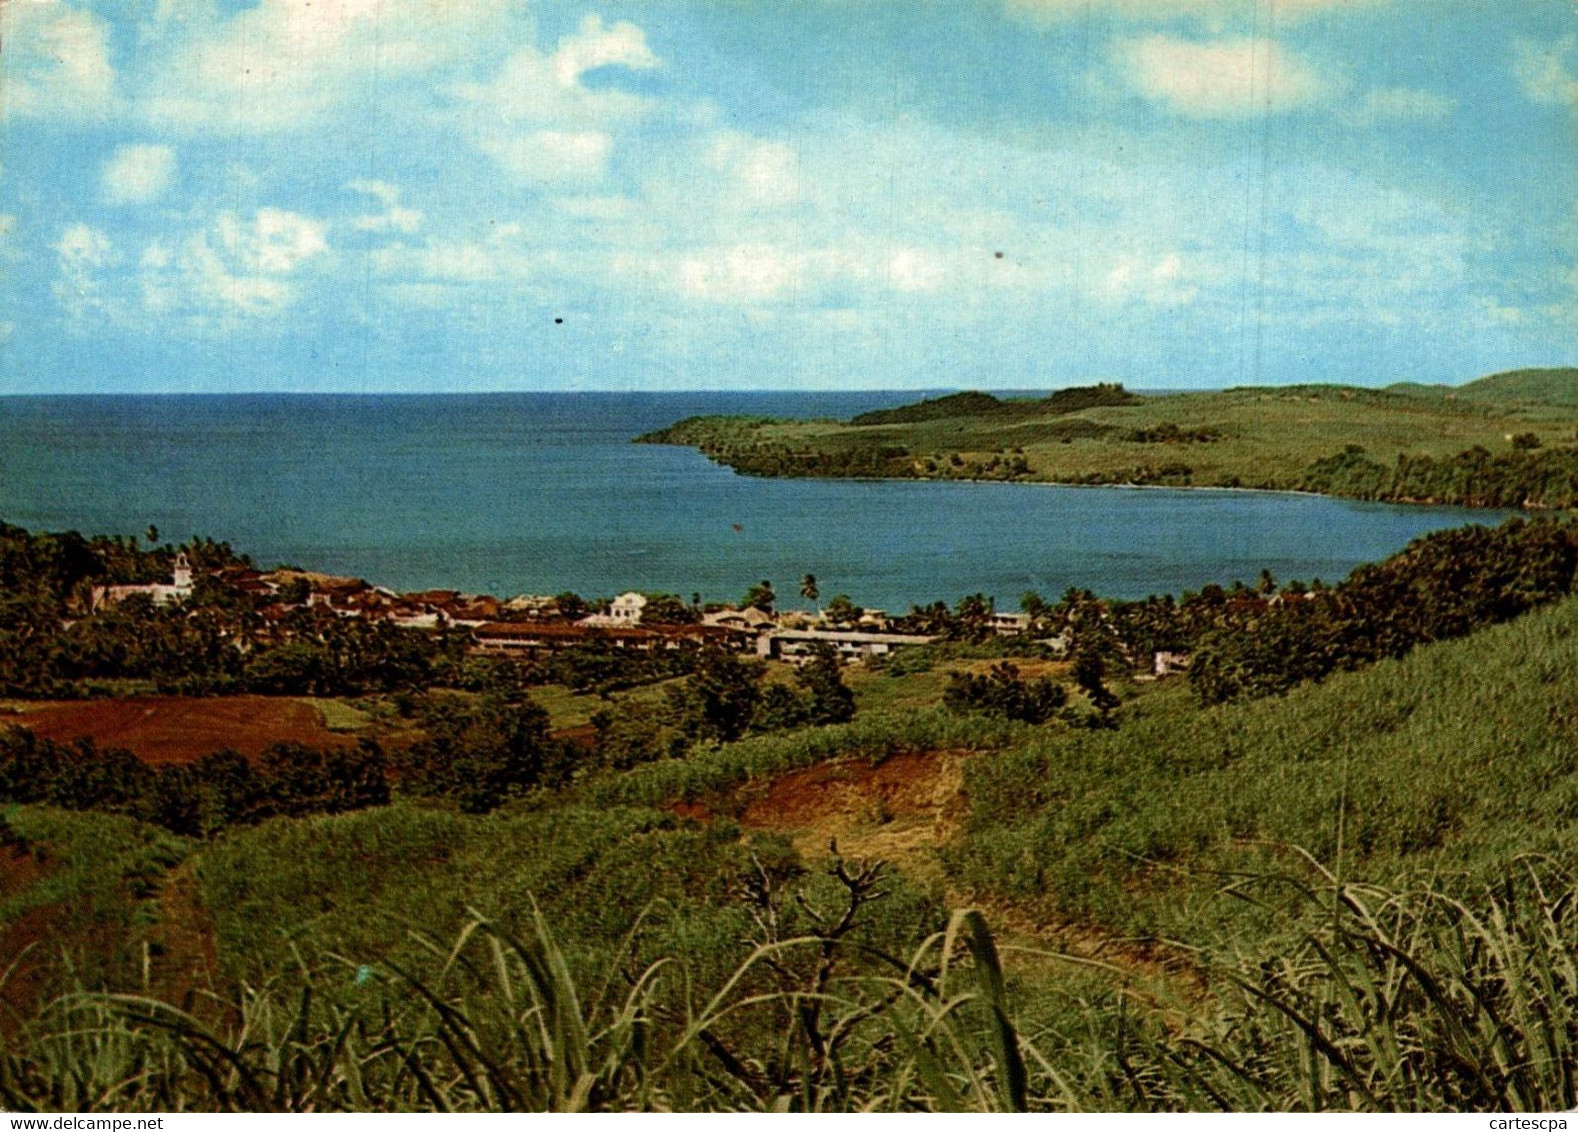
{"x":23,"y":949}
{"x":183,"y":952}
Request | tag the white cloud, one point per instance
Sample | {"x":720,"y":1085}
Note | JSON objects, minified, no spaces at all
{"x":915,"y":269}
{"x":748,"y":273}
{"x":82,"y":245}
{"x":282,"y":63}
{"x":1213,"y":12}
{"x":1158,"y":283}
{"x":138,"y":174}
{"x":765,"y":173}
{"x":382,"y":191}
{"x":199,"y":281}
{"x":393,"y":218}
{"x":82,"y":254}
{"x":495,"y":257}
{"x":1548,"y":72}
{"x":540,"y":122}
{"x":1220,"y":78}
{"x":231,"y":268}
{"x":56,"y":62}
{"x":593,"y":45}
{"x":1401,"y":104}
{"x":276,"y":242}
{"x":544,"y":156}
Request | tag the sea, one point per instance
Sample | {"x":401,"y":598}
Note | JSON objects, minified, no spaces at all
{"x":544,"y":492}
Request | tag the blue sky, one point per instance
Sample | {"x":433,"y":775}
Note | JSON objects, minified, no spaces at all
{"x":407,"y":195}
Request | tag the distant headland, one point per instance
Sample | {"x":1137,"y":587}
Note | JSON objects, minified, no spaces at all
{"x":1509,"y":440}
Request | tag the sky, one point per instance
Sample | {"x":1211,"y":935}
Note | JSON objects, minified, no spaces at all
{"x":481,"y":195}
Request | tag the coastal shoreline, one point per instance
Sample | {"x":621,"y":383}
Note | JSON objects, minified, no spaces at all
{"x":1220,"y":488}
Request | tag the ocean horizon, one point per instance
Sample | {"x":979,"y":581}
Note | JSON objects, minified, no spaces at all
{"x":509,"y":493}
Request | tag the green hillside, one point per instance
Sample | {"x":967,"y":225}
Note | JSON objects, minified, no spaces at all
{"x":1558,"y":386}
{"x":1450,"y":763}
{"x":1504,"y":441}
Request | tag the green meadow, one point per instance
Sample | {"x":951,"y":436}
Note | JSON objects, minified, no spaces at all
{"x":1516,"y":431}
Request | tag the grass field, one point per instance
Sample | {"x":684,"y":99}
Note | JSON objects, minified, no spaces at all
{"x":1250,"y":437}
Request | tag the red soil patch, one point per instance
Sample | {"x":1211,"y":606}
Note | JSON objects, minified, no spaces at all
{"x":181,"y":729}
{"x":900,"y":809}
{"x":856,"y":792}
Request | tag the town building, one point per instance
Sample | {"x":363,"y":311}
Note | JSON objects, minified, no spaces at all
{"x":796,"y":645}
{"x":1010,"y":624}
{"x":179,"y":588}
{"x":532,"y":638}
{"x":748,"y":620}
{"x":624,"y":612}
{"x":626,"y":608}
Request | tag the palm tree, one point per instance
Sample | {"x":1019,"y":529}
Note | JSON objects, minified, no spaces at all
{"x":809,"y":591}
{"x":761,"y":596}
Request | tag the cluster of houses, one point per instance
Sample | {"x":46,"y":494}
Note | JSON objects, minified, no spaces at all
{"x":791,"y":637}
{"x":530,"y":625}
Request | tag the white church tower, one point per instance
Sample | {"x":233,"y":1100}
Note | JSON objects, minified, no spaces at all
{"x":183,"y":574}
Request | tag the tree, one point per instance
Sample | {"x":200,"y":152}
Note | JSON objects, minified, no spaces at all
{"x":1090,"y":671}
{"x":841,"y":611}
{"x":821,"y":677}
{"x":809,"y":591}
{"x":484,"y":754}
{"x":669,"y":609}
{"x":760,"y":596}
{"x":296,"y":668}
{"x":571,"y":606}
{"x":1003,"y":692}
{"x":719,"y":699}
{"x":974,"y":617}
{"x":780,"y":708}
{"x":627,"y":737}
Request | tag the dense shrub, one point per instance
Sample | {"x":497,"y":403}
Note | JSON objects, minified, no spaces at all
{"x":484,"y":753}
{"x":1442,"y":586}
{"x":1004,"y":693}
{"x":195,"y":799}
{"x":1529,"y":475}
{"x":720,"y":698}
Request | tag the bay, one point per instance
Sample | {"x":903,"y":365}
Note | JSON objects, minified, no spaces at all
{"x":539,"y":493}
